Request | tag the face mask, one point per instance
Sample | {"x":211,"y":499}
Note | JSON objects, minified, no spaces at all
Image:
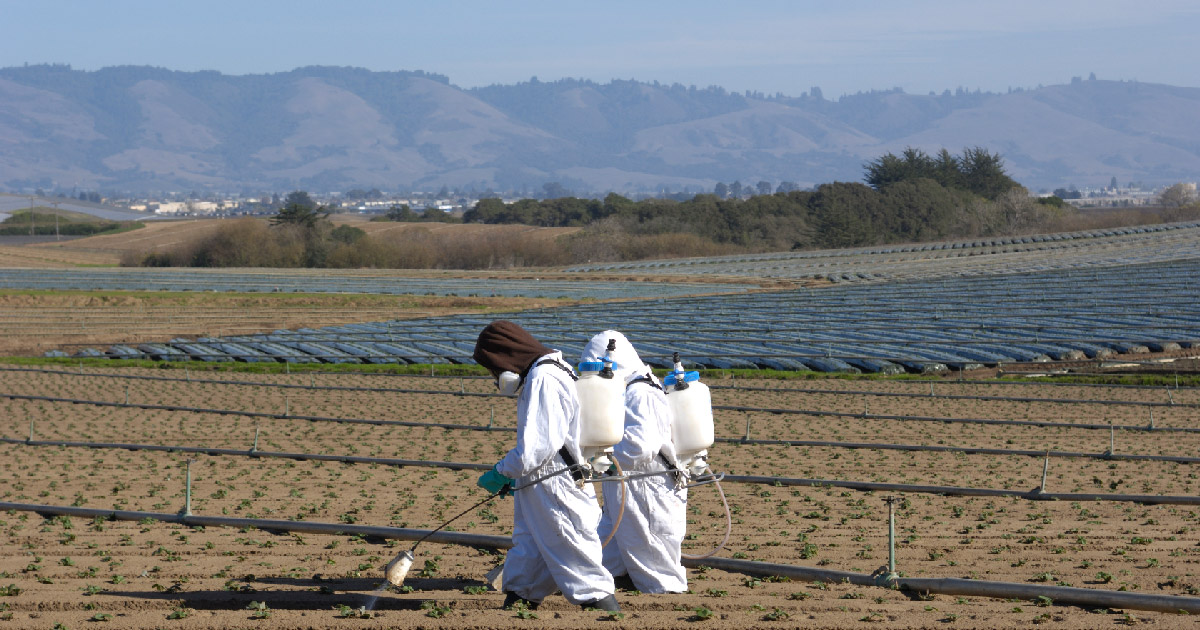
{"x":509,"y":383}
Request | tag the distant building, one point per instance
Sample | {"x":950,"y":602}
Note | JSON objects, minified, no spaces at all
{"x":187,"y":207}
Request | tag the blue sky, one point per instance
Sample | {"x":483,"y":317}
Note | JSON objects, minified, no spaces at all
{"x":841,"y":46}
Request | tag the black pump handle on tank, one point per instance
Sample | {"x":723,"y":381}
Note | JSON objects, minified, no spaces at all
{"x":607,"y":371}
{"x":680,"y":382}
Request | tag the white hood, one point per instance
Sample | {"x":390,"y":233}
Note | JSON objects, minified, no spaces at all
{"x":629,"y":364}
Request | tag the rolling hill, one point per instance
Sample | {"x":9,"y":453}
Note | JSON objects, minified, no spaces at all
{"x":324,"y":129}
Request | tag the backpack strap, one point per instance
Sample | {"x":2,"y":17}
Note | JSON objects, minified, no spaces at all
{"x":569,"y":460}
{"x":647,"y":380}
{"x":557,"y":364}
{"x":577,"y":472}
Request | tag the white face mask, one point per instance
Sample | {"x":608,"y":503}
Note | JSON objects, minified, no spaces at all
{"x":509,"y":383}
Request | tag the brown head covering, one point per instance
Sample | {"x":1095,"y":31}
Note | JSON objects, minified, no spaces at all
{"x":506,"y":347}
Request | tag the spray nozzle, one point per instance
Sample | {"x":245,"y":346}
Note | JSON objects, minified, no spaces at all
{"x":607,"y":372}
{"x":698,"y":463}
{"x":397,"y":569}
{"x":680,"y":381}
{"x":602,"y":461}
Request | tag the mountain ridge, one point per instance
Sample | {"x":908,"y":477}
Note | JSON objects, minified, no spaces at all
{"x":323,"y":128}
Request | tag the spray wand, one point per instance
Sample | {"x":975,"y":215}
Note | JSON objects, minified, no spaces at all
{"x":398,"y":568}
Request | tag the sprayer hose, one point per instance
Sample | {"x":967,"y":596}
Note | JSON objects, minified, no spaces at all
{"x":728,"y":527}
{"x":620,"y":512}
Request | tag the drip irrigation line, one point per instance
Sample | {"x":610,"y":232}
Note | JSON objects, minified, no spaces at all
{"x":1071,"y":401}
{"x":1017,"y":423}
{"x":1036,"y":494}
{"x":480,"y":427}
{"x":1069,"y":595}
{"x":948,"y":586}
{"x":462,"y":393}
{"x":275,"y":385}
{"x":233,"y":452}
{"x":967,"y":450}
{"x":262,"y":414}
{"x":1028,"y":383}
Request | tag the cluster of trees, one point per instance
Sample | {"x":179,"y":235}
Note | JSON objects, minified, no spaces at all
{"x":1177,"y":196}
{"x":977,"y":171}
{"x":910,"y":197}
{"x":47,"y":222}
{"x":405,"y":214}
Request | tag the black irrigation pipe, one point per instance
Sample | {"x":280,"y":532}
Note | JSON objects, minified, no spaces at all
{"x":1023,"y":383}
{"x":1015,"y":423}
{"x":346,"y":388}
{"x":1072,"y":401}
{"x":308,"y":527}
{"x":955,"y":381}
{"x":489,"y":427}
{"x":1169,"y":403}
{"x":966,"y":450}
{"x":253,"y":452}
{"x":262,"y":414}
{"x":1037,"y":494}
{"x":1026,"y":382}
{"x":949,"y":586}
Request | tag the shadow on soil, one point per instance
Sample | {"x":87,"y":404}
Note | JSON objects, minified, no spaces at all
{"x":304,"y":594}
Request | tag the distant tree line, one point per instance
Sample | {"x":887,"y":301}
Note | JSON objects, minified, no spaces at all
{"x":404,"y":213}
{"x":44,"y":224}
{"x":910,"y":197}
{"x":907,"y":197}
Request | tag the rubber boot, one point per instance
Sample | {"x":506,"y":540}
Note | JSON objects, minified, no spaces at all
{"x":624,"y":583}
{"x":511,"y":600}
{"x":607,"y":603}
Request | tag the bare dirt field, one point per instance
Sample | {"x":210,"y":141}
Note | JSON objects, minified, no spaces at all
{"x":33,"y":322}
{"x":107,"y":249}
{"x":151,"y":574}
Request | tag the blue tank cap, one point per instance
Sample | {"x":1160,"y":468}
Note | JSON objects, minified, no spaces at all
{"x":594,"y":366}
{"x":688,"y":377}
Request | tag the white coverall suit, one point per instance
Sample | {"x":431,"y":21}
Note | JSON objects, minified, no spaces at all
{"x":555,"y":544}
{"x":647,"y":543}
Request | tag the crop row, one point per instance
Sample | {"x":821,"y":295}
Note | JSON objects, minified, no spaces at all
{"x":947,"y":259}
{"x":963,"y":324}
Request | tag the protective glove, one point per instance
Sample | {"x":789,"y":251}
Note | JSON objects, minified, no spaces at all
{"x":494,"y":482}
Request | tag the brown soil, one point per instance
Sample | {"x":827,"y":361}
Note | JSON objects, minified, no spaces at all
{"x":144,"y":572}
{"x":32,"y":323}
{"x":107,"y":249}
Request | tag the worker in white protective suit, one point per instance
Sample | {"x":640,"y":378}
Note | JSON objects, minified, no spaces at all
{"x":646,"y":546}
{"x":555,"y":544}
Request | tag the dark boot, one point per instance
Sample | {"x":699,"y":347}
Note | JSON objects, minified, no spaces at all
{"x":607,"y":603}
{"x":624,"y":583}
{"x":512,"y":600}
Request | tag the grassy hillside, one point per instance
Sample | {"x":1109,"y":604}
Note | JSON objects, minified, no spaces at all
{"x":43,"y":220}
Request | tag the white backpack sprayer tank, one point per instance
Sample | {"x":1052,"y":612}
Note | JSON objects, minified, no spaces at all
{"x":691,"y":405}
{"x":602,"y":410}
{"x":692,"y":433}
